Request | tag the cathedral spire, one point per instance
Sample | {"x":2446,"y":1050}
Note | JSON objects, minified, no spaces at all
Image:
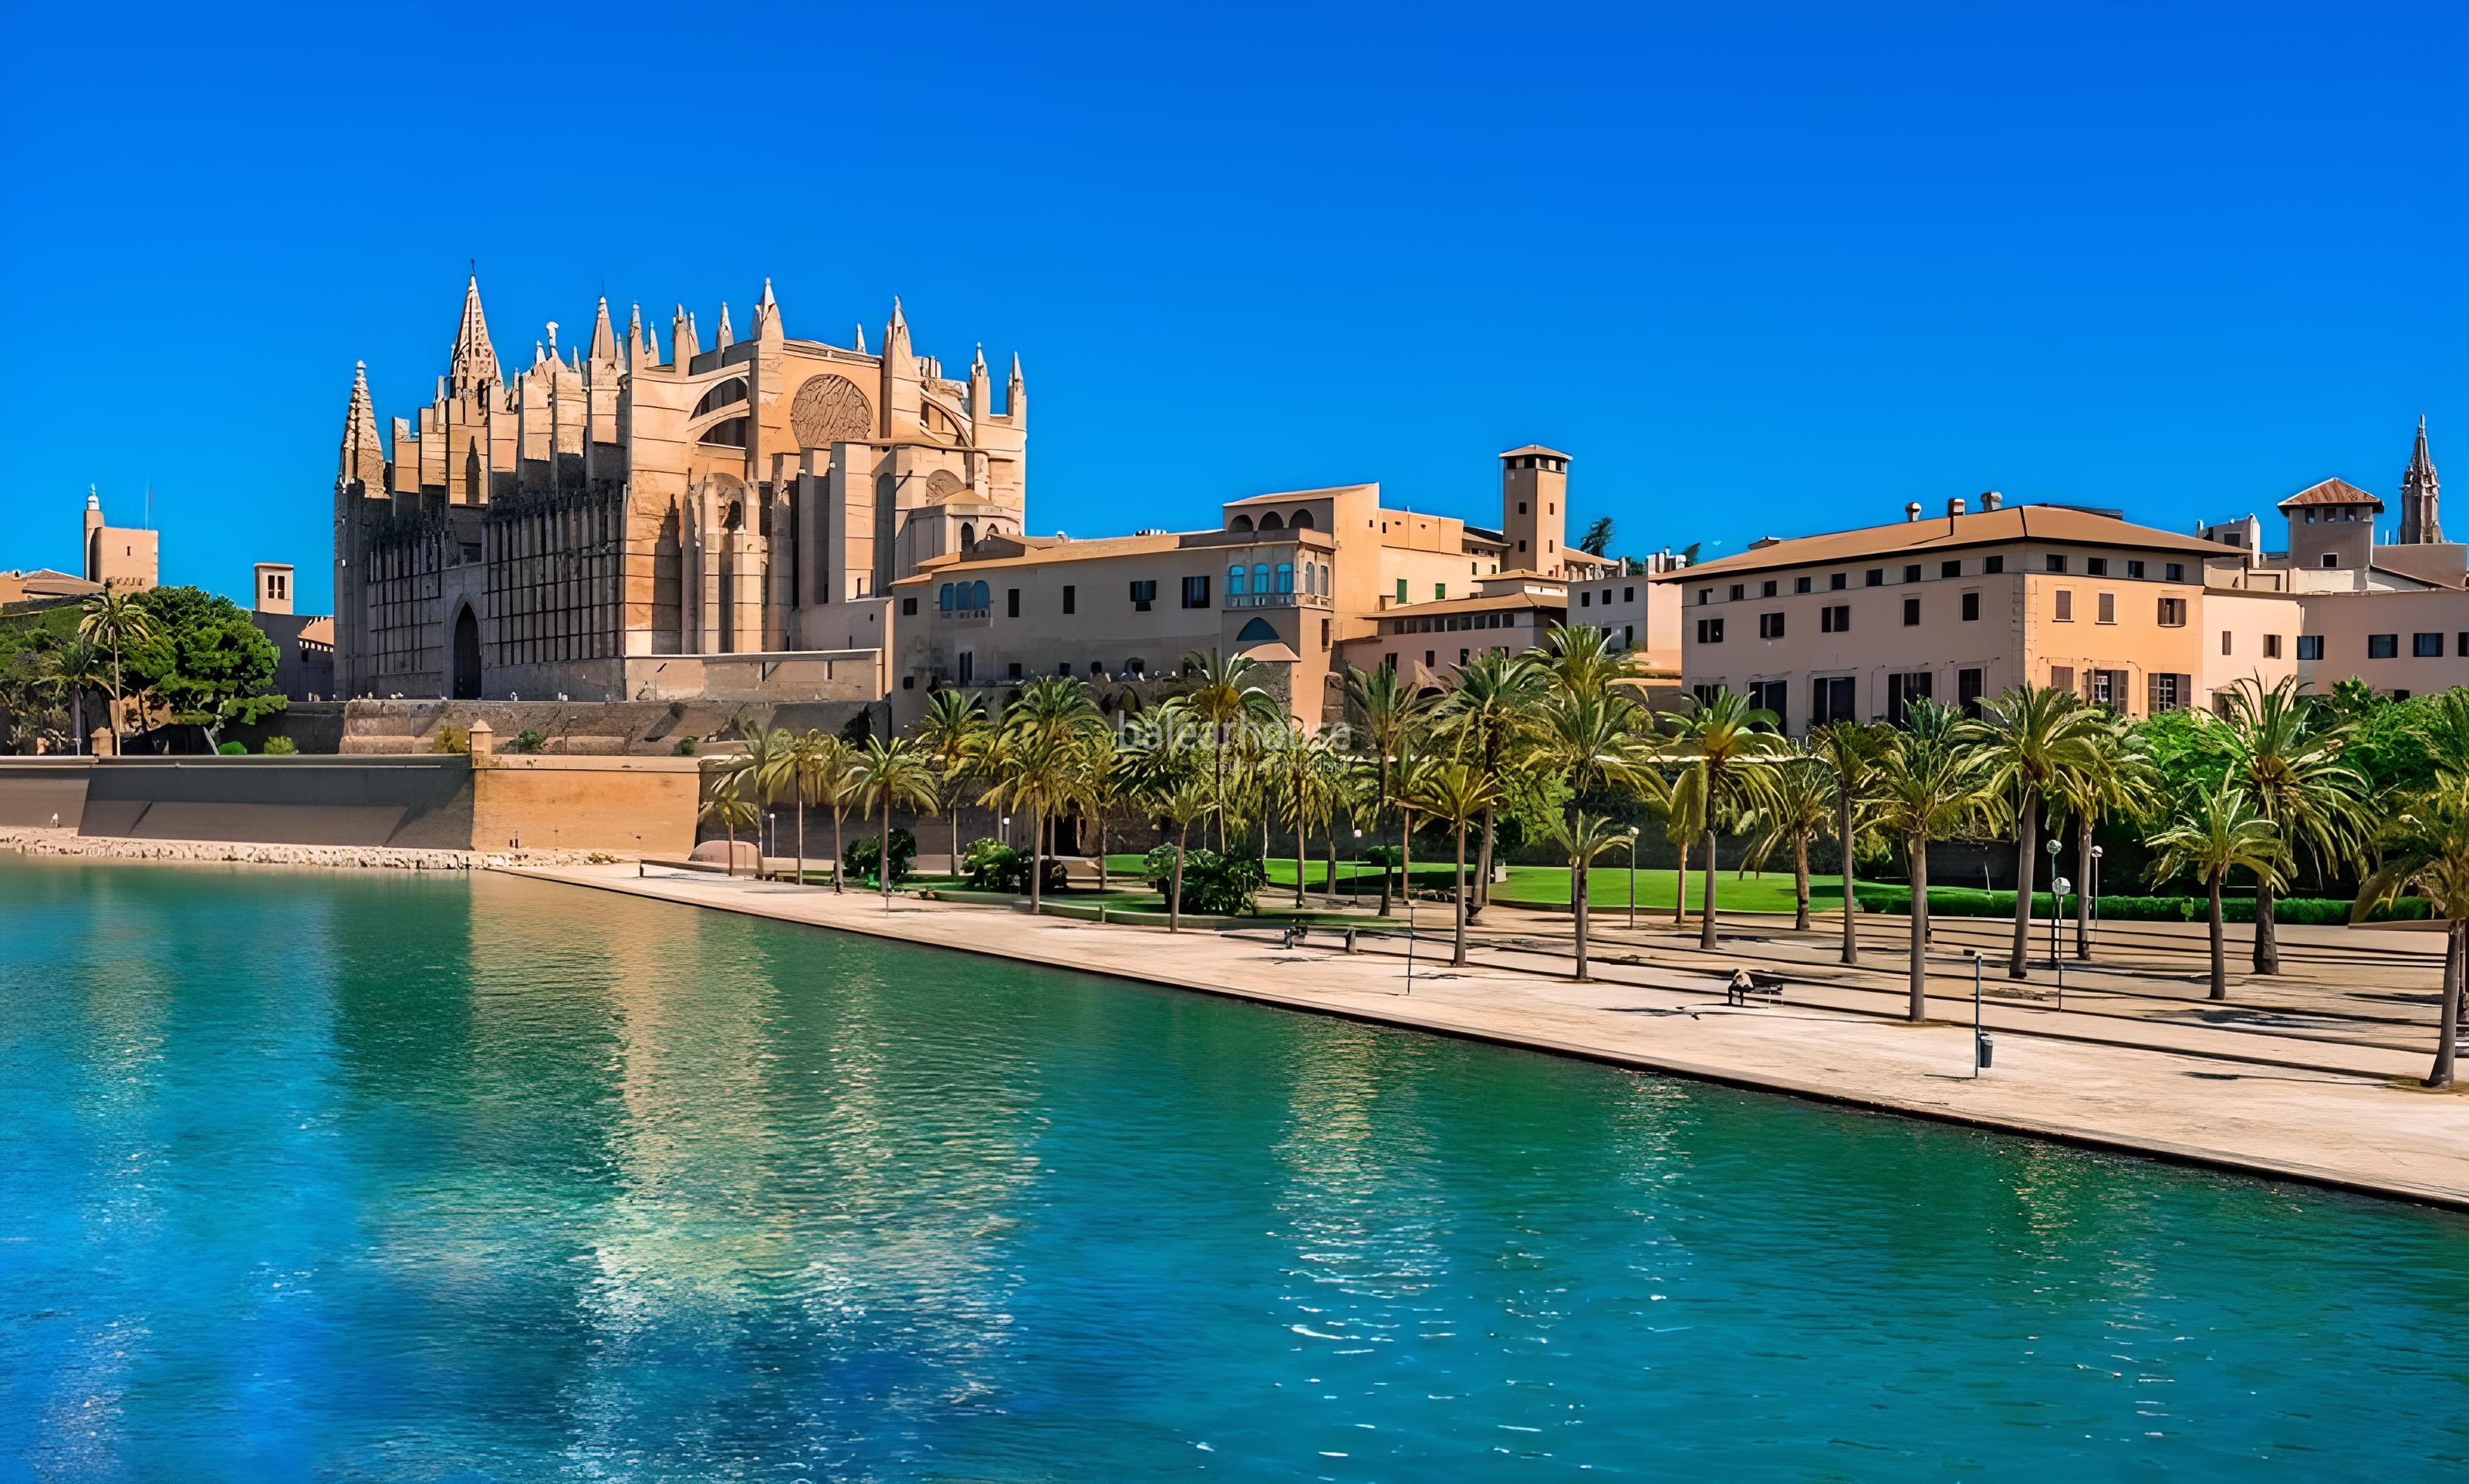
{"x":895,"y":336}
{"x":2418,"y":495}
{"x":721,"y":338}
{"x":475,"y":361}
{"x":604,"y":339}
{"x":684,"y":344}
{"x":861,"y":339}
{"x":1016,"y":395}
{"x":363,"y":456}
{"x":767,"y":315}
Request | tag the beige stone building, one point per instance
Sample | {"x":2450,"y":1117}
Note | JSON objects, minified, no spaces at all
{"x":612,"y":521}
{"x":1961,"y":607}
{"x":117,"y":556}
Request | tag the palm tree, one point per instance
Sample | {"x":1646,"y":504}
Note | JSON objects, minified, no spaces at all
{"x":1223,"y":696}
{"x":1105,"y":773}
{"x":1488,"y":716}
{"x":1386,"y":712}
{"x":1730,"y":749}
{"x":955,"y":733}
{"x":1585,"y":837}
{"x":726,"y":804}
{"x":1931,"y":786}
{"x":70,"y":670}
{"x":1312,"y":800}
{"x":886,"y":774}
{"x":822,"y":769}
{"x":770,"y":763}
{"x":1579,"y":659}
{"x":1598,"y":538}
{"x":1457,"y":793}
{"x":113,"y":619}
{"x":2033,"y":735}
{"x":1177,"y":799}
{"x":1853,"y":751}
{"x":2425,"y":847}
{"x":1802,"y":804}
{"x":2215,"y":833}
{"x":1682,"y":805}
{"x":2117,"y":781}
{"x":2285,"y":756}
{"x":1039,"y":760}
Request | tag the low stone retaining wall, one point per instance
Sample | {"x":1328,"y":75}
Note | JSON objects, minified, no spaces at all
{"x":67,"y":842}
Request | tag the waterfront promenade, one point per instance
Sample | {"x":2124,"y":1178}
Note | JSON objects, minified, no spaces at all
{"x":2238,"y":1095}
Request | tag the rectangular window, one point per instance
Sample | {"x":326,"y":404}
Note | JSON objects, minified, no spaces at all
{"x":1768,"y":696}
{"x":1739,"y":590}
{"x":1628,"y":595}
{"x":2061,"y":677}
{"x":1831,"y":699}
{"x":2310,"y":645}
{"x":1967,"y":692}
{"x":1070,"y":599}
{"x":1950,"y":569}
{"x":908,"y":608}
{"x":1011,"y":603}
{"x":2065,"y":598}
{"x":1911,"y":612}
{"x":2108,"y":608}
{"x":1767,"y":590}
{"x":1992,"y":565}
{"x":1901,"y":690}
{"x":2134,"y":568}
{"x":1838,"y":582}
{"x":2057,"y":563}
{"x":1769,"y":625}
{"x":1324,"y":633}
{"x":2168,"y":693}
{"x":2173,"y":612}
{"x":1710,"y":630}
{"x":2426,"y":646}
{"x":1401,"y":589}
{"x":1800,"y":584}
{"x":2383,"y":645}
{"x":1707,"y":695}
{"x":1705,"y":596}
{"x":1439,"y":590}
{"x":2096,"y":566}
{"x":2225,"y":641}
{"x":2464,"y":651}
{"x":2271,"y":646}
{"x":1912,"y":572}
{"x":1143,"y":593}
{"x":1834,"y":618}
{"x":1585,"y":599}
{"x":1014,"y":670}
{"x":1971,"y":607}
{"x":1195,"y":591}
{"x":2174,"y":571}
{"x":1874,"y":576}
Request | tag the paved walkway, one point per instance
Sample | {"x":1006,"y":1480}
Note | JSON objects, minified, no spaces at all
{"x":2239,"y":1097}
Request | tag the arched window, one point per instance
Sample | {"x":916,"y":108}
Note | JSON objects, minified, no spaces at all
{"x":1260,"y":578}
{"x":1234,"y":580}
{"x":980,"y":596}
{"x":1303,"y":520}
{"x":1136,"y":668}
{"x":1273,"y":521}
{"x":1239,"y":523}
{"x":729,"y":394}
{"x":1285,"y":577}
{"x":968,"y":536}
{"x":945,"y":598}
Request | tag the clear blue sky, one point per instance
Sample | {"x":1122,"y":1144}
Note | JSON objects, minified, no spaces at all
{"x":1760,"y":268}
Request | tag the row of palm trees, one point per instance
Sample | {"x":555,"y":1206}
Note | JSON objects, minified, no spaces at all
{"x":1561,"y":736}
{"x":87,"y":663}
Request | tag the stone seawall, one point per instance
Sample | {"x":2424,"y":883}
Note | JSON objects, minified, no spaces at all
{"x":365,"y":857}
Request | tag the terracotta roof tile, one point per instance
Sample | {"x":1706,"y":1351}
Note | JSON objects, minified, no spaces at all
{"x":1945,"y":532}
{"x":2332,"y":491}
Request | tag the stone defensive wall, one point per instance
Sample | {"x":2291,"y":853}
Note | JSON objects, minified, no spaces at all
{"x":626,"y":805}
{"x":644,"y":728}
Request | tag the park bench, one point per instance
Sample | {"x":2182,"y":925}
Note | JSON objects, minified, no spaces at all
{"x":1758,"y":986}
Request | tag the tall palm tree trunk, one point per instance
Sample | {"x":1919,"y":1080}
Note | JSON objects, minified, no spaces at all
{"x":1331,"y":883}
{"x":1578,"y":900}
{"x":1458,"y":954}
{"x":728,"y":826}
{"x":77,"y":723}
{"x":1917,"y":848}
{"x":954,"y":864}
{"x":1680,"y":889}
{"x":1100,"y":822}
{"x":1406,"y":853}
{"x":2455,"y":967}
{"x":1851,"y":896}
{"x":1302,"y":843}
{"x":1483,"y":860}
{"x":883,"y":853}
{"x":2024,"y":822}
{"x":113,"y":716}
{"x":2083,"y":890}
{"x":2267,"y":930}
{"x":801,"y":836}
{"x":1800,"y":883}
{"x":1036,"y":860}
{"x":839,"y":850}
{"x":1706,"y":908}
{"x":2220,"y":944}
{"x":1377,"y":810}
{"x":1174,"y":903}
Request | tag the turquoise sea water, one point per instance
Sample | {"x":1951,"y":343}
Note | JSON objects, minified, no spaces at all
{"x":341,"y":1176}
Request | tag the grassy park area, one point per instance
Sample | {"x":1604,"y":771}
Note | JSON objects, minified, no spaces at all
{"x":1767,"y":891}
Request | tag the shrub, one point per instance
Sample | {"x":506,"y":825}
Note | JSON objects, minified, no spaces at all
{"x":1965,"y":902}
{"x":685,"y":745}
{"x":1215,"y":884}
{"x":281,"y":748}
{"x":451,"y":738}
{"x":530,"y":739}
{"x":233,"y":749}
{"x":995,"y":866}
{"x":860,"y":856}
{"x":1389,"y":855}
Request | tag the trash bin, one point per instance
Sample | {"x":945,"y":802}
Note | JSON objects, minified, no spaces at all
{"x":1988,"y":1051}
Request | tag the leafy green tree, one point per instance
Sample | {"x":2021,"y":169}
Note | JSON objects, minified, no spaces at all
{"x":113,"y":620}
{"x":71,"y":670}
{"x":2117,"y":781}
{"x":203,"y":659}
{"x":2424,"y":847}
{"x":1598,"y":538}
{"x":2213,"y":835}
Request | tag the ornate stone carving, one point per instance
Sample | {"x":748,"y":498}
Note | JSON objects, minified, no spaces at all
{"x":830,"y":409}
{"x":941,"y":484}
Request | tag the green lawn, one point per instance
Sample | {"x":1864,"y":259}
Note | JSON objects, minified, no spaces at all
{"x":1609,"y":886}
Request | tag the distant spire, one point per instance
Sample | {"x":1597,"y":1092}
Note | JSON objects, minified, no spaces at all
{"x":767,"y":302}
{"x":978,"y":367}
{"x":363,"y":456}
{"x":861,"y":339}
{"x":474,"y":360}
{"x":604,"y":338}
{"x":767,"y":315}
{"x":721,"y":338}
{"x":898,"y":330}
{"x":684,"y":343}
{"x":2418,"y":492}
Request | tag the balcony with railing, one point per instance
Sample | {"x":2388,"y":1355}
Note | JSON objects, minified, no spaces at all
{"x":1275,"y":600}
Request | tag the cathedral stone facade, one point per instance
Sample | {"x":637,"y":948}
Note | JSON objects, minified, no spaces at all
{"x":609,"y":524}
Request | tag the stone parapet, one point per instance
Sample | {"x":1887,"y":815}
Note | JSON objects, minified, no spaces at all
{"x":366,"y":857}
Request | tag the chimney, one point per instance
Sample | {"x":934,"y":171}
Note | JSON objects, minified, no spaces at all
{"x":1912,"y":512}
{"x":1991,"y":499}
{"x":1954,"y":507}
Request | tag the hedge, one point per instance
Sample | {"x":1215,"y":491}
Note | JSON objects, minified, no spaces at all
{"x":1968,"y":902}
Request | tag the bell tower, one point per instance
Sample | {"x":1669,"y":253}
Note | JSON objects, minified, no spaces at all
{"x":1535,"y":508}
{"x":2418,"y":490}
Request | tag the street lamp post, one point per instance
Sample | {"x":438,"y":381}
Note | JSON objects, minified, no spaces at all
{"x":2092,"y":885}
{"x":2057,"y":961}
{"x":1632,"y":881}
{"x":1980,"y":1041}
{"x":2057,"y":906}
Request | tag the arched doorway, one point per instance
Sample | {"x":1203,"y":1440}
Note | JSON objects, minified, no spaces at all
{"x":466,"y":671}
